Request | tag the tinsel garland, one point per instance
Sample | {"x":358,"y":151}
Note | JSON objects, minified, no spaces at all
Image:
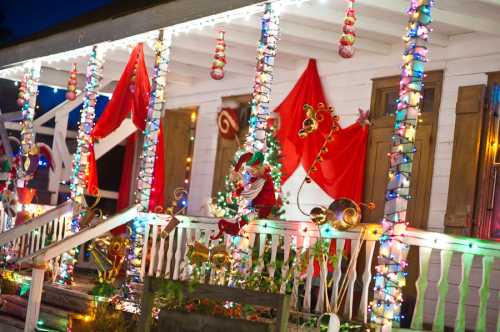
{"x":390,"y":275}
{"x":29,"y":94}
{"x":81,"y":156}
{"x":145,"y":180}
{"x":266,"y":53}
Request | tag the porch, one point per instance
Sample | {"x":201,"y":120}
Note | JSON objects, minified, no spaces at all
{"x":451,"y":160}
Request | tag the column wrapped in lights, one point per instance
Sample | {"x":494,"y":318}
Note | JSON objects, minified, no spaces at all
{"x":266,"y":53}
{"x":81,"y":156}
{"x":390,"y":275}
{"x":31,"y":78}
{"x":145,"y":178}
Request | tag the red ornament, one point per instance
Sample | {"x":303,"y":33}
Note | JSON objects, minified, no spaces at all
{"x":217,"y":72}
{"x":21,"y":94}
{"x":72,"y":82}
{"x":346,"y":42}
{"x":228,"y":123}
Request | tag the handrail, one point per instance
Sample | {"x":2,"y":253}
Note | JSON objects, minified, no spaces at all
{"x":413,"y":236}
{"x":81,"y":237}
{"x":37,"y":222}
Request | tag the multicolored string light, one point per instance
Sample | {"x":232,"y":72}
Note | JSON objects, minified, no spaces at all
{"x":145,"y":180}
{"x":81,"y":156}
{"x":266,"y":53}
{"x":30,"y":92}
{"x":390,"y":275}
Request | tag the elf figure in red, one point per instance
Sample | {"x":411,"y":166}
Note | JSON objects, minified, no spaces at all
{"x":255,"y":191}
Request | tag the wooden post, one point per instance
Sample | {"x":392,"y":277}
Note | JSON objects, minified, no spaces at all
{"x":147,"y":307}
{"x":283,"y":313}
{"x":55,"y":176}
{"x":35,"y":297}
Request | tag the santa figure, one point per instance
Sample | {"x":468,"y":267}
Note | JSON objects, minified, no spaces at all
{"x":255,"y":190}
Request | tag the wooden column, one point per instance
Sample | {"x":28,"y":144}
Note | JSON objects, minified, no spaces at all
{"x":35,"y":297}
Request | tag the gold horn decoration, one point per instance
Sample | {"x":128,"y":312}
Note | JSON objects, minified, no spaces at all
{"x":342,"y":214}
{"x":318,"y":215}
{"x":219,"y":256}
{"x":101,"y":260}
{"x":198,"y":253}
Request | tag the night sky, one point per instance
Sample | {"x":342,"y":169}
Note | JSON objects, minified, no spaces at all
{"x":21,"y":18}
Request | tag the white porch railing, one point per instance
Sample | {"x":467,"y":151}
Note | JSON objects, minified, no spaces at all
{"x":49,"y":227}
{"x":166,"y":258}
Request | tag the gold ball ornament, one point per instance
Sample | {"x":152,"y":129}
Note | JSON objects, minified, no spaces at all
{"x":344,"y":214}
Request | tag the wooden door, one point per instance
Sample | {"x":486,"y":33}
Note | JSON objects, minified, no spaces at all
{"x":226,"y":148}
{"x":179,"y":127}
{"x":383,"y":107}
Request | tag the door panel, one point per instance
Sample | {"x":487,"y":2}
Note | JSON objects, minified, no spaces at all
{"x":226,"y":148}
{"x":385,"y":93}
{"x":178,"y":128}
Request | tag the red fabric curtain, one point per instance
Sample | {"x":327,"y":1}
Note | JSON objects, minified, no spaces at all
{"x":307,"y":90}
{"x":341,"y":174}
{"x":157,"y":192}
{"x":131,"y":95}
{"x":125,"y":99}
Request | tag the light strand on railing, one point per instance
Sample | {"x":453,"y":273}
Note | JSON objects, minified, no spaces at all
{"x":390,"y":274}
{"x":31,"y":79}
{"x":81,"y":156}
{"x":148,"y":158}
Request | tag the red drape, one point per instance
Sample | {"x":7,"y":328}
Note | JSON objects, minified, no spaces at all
{"x":341,"y":174}
{"x":126,"y":100}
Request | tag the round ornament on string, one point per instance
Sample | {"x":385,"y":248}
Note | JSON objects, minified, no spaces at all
{"x":346,"y":42}
{"x":217,"y":72}
{"x":21,"y":94}
{"x":72,"y":82}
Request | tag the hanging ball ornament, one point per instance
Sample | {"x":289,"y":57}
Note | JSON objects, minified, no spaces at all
{"x":21,"y":94}
{"x":72,"y":82}
{"x":346,"y":42}
{"x":217,"y":72}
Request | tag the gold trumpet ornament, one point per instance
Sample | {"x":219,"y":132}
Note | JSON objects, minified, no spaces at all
{"x":342,"y":214}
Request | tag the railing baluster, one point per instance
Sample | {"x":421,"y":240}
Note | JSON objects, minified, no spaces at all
{"x":421,"y":285}
{"x":309,"y":276}
{"x":249,"y":248}
{"x":190,"y":235}
{"x":32,"y":241}
{"x":439,"y":315}
{"x":322,"y":277}
{"x":337,"y":273}
{"x":287,"y":241}
{"x":351,"y":279}
{"x":170,"y":251}
{"x":274,"y":249}
{"x":145,"y":245}
{"x":464,"y":291}
{"x":44,"y":235}
{"x":484,"y":294}
{"x":153,"y":252}
{"x":178,"y":252}
{"x":294,"y":298}
{"x":262,"y":246}
{"x":367,"y":278}
{"x":161,"y":253}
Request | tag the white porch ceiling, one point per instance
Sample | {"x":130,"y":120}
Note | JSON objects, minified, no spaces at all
{"x":309,"y":31}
